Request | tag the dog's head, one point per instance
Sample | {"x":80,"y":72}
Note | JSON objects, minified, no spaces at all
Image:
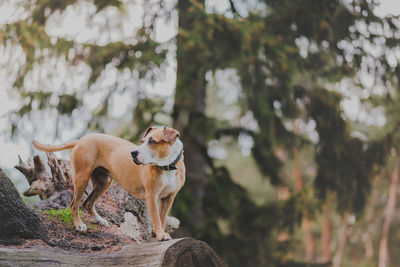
{"x":160,"y":146}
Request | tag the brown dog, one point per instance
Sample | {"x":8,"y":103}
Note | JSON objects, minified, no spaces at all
{"x":157,"y":171}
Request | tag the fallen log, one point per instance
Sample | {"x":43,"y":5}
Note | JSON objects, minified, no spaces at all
{"x":176,"y":252}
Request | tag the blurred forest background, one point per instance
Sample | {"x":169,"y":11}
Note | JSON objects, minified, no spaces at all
{"x":278,"y":173}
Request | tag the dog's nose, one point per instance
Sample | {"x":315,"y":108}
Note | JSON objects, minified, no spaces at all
{"x":134,"y":153}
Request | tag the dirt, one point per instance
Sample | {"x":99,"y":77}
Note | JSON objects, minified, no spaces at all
{"x":97,"y":238}
{"x":64,"y":236}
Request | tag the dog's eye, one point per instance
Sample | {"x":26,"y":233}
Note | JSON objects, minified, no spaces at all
{"x":151,"y":141}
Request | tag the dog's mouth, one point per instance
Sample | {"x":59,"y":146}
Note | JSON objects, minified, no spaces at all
{"x":137,"y":162}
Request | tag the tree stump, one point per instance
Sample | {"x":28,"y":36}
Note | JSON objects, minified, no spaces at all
{"x":40,"y":181}
{"x":16,"y":219}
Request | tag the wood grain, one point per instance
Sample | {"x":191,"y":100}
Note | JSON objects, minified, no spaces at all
{"x":176,"y":252}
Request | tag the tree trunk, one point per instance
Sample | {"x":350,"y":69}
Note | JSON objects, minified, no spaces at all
{"x":17,"y":221}
{"x":189,"y":111}
{"x":389,"y":212}
{"x":308,"y":240}
{"x":326,"y":234}
{"x":309,"y":243}
{"x":173,"y":253}
{"x":298,"y":180}
{"x":61,"y":172}
{"x":369,"y":219}
{"x":283,"y":194}
{"x":337,"y":259}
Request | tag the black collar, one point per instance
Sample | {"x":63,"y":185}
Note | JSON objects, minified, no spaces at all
{"x":171,"y":166}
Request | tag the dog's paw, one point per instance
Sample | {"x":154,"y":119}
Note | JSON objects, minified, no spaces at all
{"x":164,"y":237}
{"x":81,"y":227}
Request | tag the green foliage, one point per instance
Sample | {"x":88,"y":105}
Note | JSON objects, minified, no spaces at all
{"x":44,"y":8}
{"x":102,"y":4}
{"x":263,"y":47}
{"x":63,"y":215}
{"x":124,"y":56}
{"x":144,"y":58}
{"x":250,"y":230}
{"x":346,"y":165}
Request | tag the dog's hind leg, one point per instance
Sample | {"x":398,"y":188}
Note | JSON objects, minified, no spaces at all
{"x":80,"y":180}
{"x":101,"y":181}
{"x":81,"y":170}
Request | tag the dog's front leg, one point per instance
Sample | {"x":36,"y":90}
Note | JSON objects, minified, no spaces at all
{"x":151,"y":201}
{"x":165,"y":206}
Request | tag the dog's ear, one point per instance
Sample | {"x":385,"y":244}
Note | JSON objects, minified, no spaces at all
{"x":169,"y":134}
{"x":148,"y":130}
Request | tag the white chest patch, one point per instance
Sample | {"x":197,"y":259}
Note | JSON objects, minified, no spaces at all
{"x":170,"y":183}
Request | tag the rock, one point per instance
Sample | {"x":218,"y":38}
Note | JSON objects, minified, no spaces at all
{"x":59,"y":200}
{"x":131,"y":226}
{"x":171,"y":224}
{"x":139,"y":208}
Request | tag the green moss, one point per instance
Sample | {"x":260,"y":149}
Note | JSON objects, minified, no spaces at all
{"x":63,"y":215}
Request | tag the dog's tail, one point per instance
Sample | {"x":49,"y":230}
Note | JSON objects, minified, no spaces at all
{"x":49,"y":148}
